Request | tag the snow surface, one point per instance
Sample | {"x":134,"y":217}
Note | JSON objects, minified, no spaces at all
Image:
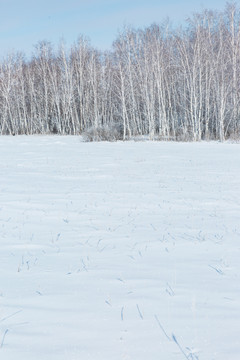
{"x":119,"y":250}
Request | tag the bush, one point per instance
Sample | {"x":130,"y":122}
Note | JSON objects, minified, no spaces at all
{"x":184,"y":134}
{"x":104,"y":133}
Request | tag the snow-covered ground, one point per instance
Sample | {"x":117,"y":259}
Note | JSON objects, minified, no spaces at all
{"x":114,"y":251}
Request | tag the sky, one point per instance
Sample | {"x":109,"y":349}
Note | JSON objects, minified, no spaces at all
{"x":23,"y":23}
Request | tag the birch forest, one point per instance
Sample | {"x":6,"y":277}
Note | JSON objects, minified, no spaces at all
{"x":161,"y":82}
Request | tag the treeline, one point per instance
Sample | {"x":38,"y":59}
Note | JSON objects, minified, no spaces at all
{"x":168,"y":83}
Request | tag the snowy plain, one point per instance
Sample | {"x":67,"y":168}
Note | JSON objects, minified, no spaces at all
{"x":114,"y":251}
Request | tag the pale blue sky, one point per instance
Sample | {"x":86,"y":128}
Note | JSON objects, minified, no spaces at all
{"x":24,"y":22}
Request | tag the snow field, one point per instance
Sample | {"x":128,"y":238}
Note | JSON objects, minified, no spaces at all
{"x":119,"y":250}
